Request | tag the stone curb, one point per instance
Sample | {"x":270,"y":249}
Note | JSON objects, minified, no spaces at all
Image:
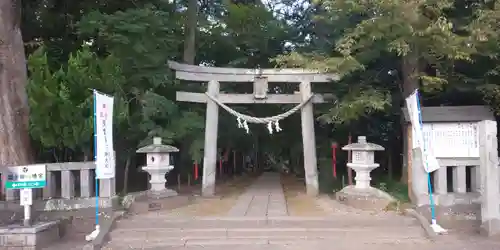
{"x":423,"y":222}
{"x":108,"y":225}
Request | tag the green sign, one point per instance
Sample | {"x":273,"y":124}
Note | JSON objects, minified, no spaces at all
{"x":30,"y":176}
{"x":25,"y":184}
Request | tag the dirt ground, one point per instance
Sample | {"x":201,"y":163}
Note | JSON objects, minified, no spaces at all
{"x":227,"y":193}
{"x":298,"y":202}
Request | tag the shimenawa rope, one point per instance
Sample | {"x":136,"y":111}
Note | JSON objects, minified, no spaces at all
{"x":243,"y":119}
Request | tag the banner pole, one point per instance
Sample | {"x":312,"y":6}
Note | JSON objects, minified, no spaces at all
{"x":435,"y":227}
{"x":95,"y":160}
{"x":96,"y":232}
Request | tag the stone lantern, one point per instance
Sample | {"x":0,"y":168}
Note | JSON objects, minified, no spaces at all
{"x":363,"y":160}
{"x":157,"y":166}
{"x":362,"y":195}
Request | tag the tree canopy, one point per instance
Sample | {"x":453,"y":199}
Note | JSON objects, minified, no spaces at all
{"x":382,"y":49}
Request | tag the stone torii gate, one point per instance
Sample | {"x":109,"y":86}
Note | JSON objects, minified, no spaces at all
{"x":260,"y":78}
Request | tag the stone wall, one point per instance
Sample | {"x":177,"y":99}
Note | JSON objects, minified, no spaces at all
{"x":36,"y":237}
{"x":70,"y":185}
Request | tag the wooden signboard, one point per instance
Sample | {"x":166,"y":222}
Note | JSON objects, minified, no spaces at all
{"x":452,"y":140}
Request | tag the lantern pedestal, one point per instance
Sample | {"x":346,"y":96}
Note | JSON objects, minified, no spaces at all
{"x":158,"y":197}
{"x":158,"y":181}
{"x":362,"y":174}
{"x":367,"y":198}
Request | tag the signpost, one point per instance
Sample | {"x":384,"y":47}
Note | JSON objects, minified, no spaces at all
{"x":26,"y":178}
{"x":30,"y":176}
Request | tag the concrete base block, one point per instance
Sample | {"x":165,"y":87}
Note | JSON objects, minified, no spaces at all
{"x":367,"y":199}
{"x":163,"y":194}
{"x":35,"y":237}
{"x":461,"y":217}
{"x":490,"y":227}
{"x":154,"y":201}
{"x":450,"y":199}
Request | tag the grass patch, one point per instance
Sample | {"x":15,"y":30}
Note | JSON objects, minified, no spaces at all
{"x":327,"y":183}
{"x":395,"y":188}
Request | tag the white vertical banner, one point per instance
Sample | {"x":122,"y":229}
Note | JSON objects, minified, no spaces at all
{"x":430,"y":162}
{"x":413,"y":113}
{"x":103,"y":115}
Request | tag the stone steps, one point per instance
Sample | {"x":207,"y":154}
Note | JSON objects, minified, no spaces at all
{"x":259,"y":219}
{"x":259,"y":222}
{"x":244,"y":243}
{"x":268,"y":233}
{"x":184,"y":234}
{"x":313,"y":244}
{"x":258,"y":237}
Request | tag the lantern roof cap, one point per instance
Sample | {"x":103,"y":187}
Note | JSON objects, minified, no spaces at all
{"x":363,"y":145}
{"x":157,"y":147}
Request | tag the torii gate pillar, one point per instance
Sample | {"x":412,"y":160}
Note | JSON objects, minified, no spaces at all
{"x":309,"y":141}
{"x":211,"y":135}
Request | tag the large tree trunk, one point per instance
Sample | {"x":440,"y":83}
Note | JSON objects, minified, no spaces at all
{"x":410,"y":83}
{"x":14,"y":110}
{"x":189,"y":56}
{"x":410,"y":71}
{"x":125,"y":176}
{"x":190,"y":31}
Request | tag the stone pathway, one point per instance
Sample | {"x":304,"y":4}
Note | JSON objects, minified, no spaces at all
{"x":263,"y":198}
{"x":259,"y":220}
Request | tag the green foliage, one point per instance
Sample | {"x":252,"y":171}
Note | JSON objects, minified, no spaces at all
{"x":399,"y":27}
{"x":356,"y":104}
{"x":320,"y":62}
{"x":143,"y":40}
{"x":491,"y":94}
{"x":254,"y":33}
{"x":61,"y":101}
